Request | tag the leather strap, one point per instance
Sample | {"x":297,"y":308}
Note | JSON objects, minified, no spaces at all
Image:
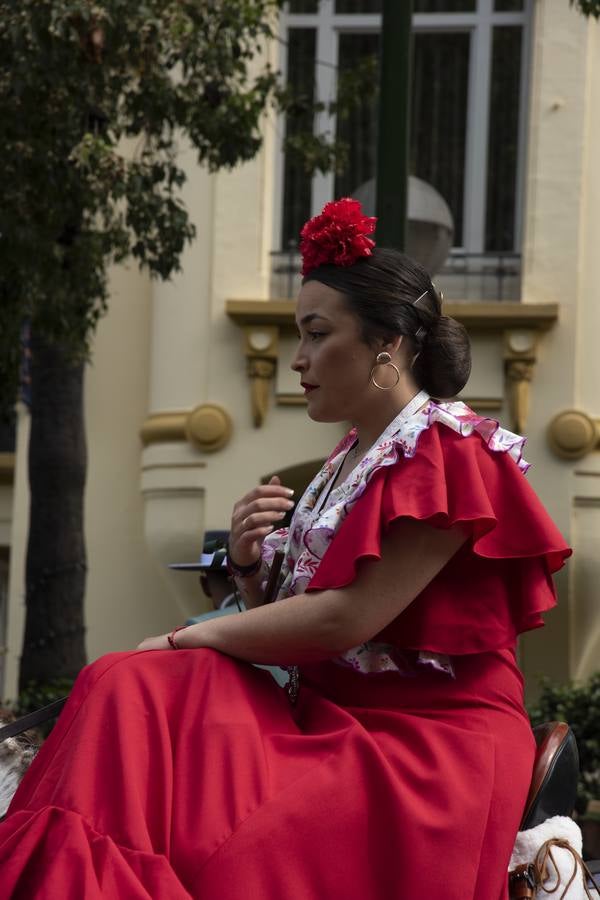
{"x":545,"y":857}
{"x":32,"y":720}
{"x":273,"y":579}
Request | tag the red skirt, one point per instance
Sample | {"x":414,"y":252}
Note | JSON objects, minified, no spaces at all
{"x":188,"y":774}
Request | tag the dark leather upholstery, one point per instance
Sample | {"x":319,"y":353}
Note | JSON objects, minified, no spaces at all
{"x":554,"y":779}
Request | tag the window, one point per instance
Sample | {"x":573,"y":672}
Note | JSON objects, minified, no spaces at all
{"x":438,"y":129}
{"x":467,"y":114}
{"x":359,"y":130}
{"x":296,"y":186}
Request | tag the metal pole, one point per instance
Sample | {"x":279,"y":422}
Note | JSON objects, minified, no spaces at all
{"x":394,"y":120}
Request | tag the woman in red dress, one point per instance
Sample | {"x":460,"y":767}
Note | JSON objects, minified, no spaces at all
{"x":398,"y":762}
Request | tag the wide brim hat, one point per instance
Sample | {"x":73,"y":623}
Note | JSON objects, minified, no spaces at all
{"x":213,"y":557}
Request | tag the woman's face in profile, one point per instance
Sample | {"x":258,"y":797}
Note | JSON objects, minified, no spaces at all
{"x":333,"y":361}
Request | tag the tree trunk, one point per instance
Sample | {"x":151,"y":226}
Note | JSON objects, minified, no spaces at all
{"x":54,"y":645}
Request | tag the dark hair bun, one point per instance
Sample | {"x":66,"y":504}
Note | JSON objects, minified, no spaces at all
{"x":392,"y":294}
{"x":443,"y":365}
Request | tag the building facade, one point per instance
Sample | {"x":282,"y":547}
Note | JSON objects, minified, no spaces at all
{"x":189,"y":398}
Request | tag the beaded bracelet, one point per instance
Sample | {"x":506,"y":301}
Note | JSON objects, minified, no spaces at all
{"x":171,"y":637}
{"x":238,"y":571}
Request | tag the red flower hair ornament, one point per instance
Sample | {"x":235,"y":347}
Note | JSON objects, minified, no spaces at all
{"x":338,"y":236}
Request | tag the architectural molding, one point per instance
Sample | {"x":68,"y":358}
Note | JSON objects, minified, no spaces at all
{"x":520,"y":356}
{"x":521,"y":324}
{"x":572,"y":434}
{"x":7,"y":468}
{"x":261,"y":373}
{"x":484,"y":404}
{"x":286,"y":399}
{"x":208,"y":427}
{"x":163,"y":427}
{"x":481,"y":316}
{"x":151,"y":467}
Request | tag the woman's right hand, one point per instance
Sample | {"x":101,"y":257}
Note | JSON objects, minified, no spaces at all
{"x":254,"y":516}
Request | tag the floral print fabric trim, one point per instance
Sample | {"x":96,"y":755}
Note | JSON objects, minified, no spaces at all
{"x":314,"y":524}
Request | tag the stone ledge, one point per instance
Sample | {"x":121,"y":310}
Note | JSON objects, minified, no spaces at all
{"x":480,"y":316}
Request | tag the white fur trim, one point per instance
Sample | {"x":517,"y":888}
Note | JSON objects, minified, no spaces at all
{"x":14,"y":762}
{"x":528,"y":844}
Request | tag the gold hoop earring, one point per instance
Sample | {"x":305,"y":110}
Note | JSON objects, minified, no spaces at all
{"x":384,"y":359}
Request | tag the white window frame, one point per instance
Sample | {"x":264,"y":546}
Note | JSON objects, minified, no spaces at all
{"x":480,"y":24}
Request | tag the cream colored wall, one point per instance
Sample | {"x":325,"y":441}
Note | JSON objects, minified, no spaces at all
{"x":561,"y":265}
{"x":586,"y":505}
{"x":197,"y":358}
{"x":288,"y":436}
{"x":124,"y":599}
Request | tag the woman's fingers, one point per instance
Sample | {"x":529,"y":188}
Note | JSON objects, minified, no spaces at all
{"x":266,"y":505}
{"x":248,"y":506}
{"x":256,"y":512}
{"x":245,"y":546}
{"x":254,"y":528}
{"x":254,"y":536}
{"x":255,"y":516}
{"x":272,"y":489}
{"x":258,"y":519}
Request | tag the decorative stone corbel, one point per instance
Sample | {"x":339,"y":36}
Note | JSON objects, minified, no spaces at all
{"x":520,"y":356}
{"x":208,"y":427}
{"x":260,"y":373}
{"x":573,"y":434}
{"x":261,"y":346}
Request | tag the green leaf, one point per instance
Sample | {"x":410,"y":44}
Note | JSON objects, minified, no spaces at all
{"x":578,"y":704}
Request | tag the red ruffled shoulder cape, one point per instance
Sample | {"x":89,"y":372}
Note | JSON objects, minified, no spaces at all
{"x":497,"y":585}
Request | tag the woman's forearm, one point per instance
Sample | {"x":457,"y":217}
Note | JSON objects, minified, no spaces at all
{"x":323,"y":624}
{"x":306,"y":628}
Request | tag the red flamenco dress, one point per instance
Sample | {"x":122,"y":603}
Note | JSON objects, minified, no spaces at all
{"x":190,"y":775}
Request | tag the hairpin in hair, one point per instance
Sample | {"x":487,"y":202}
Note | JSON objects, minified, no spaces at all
{"x":337,"y":236}
{"x":421,"y":331}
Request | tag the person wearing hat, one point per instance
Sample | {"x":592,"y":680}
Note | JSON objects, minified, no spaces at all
{"x":214,"y":576}
{"x":218,"y":586}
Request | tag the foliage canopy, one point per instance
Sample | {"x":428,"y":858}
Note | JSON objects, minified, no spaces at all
{"x":94,"y":100}
{"x":579,"y":706}
{"x":588,"y":7}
